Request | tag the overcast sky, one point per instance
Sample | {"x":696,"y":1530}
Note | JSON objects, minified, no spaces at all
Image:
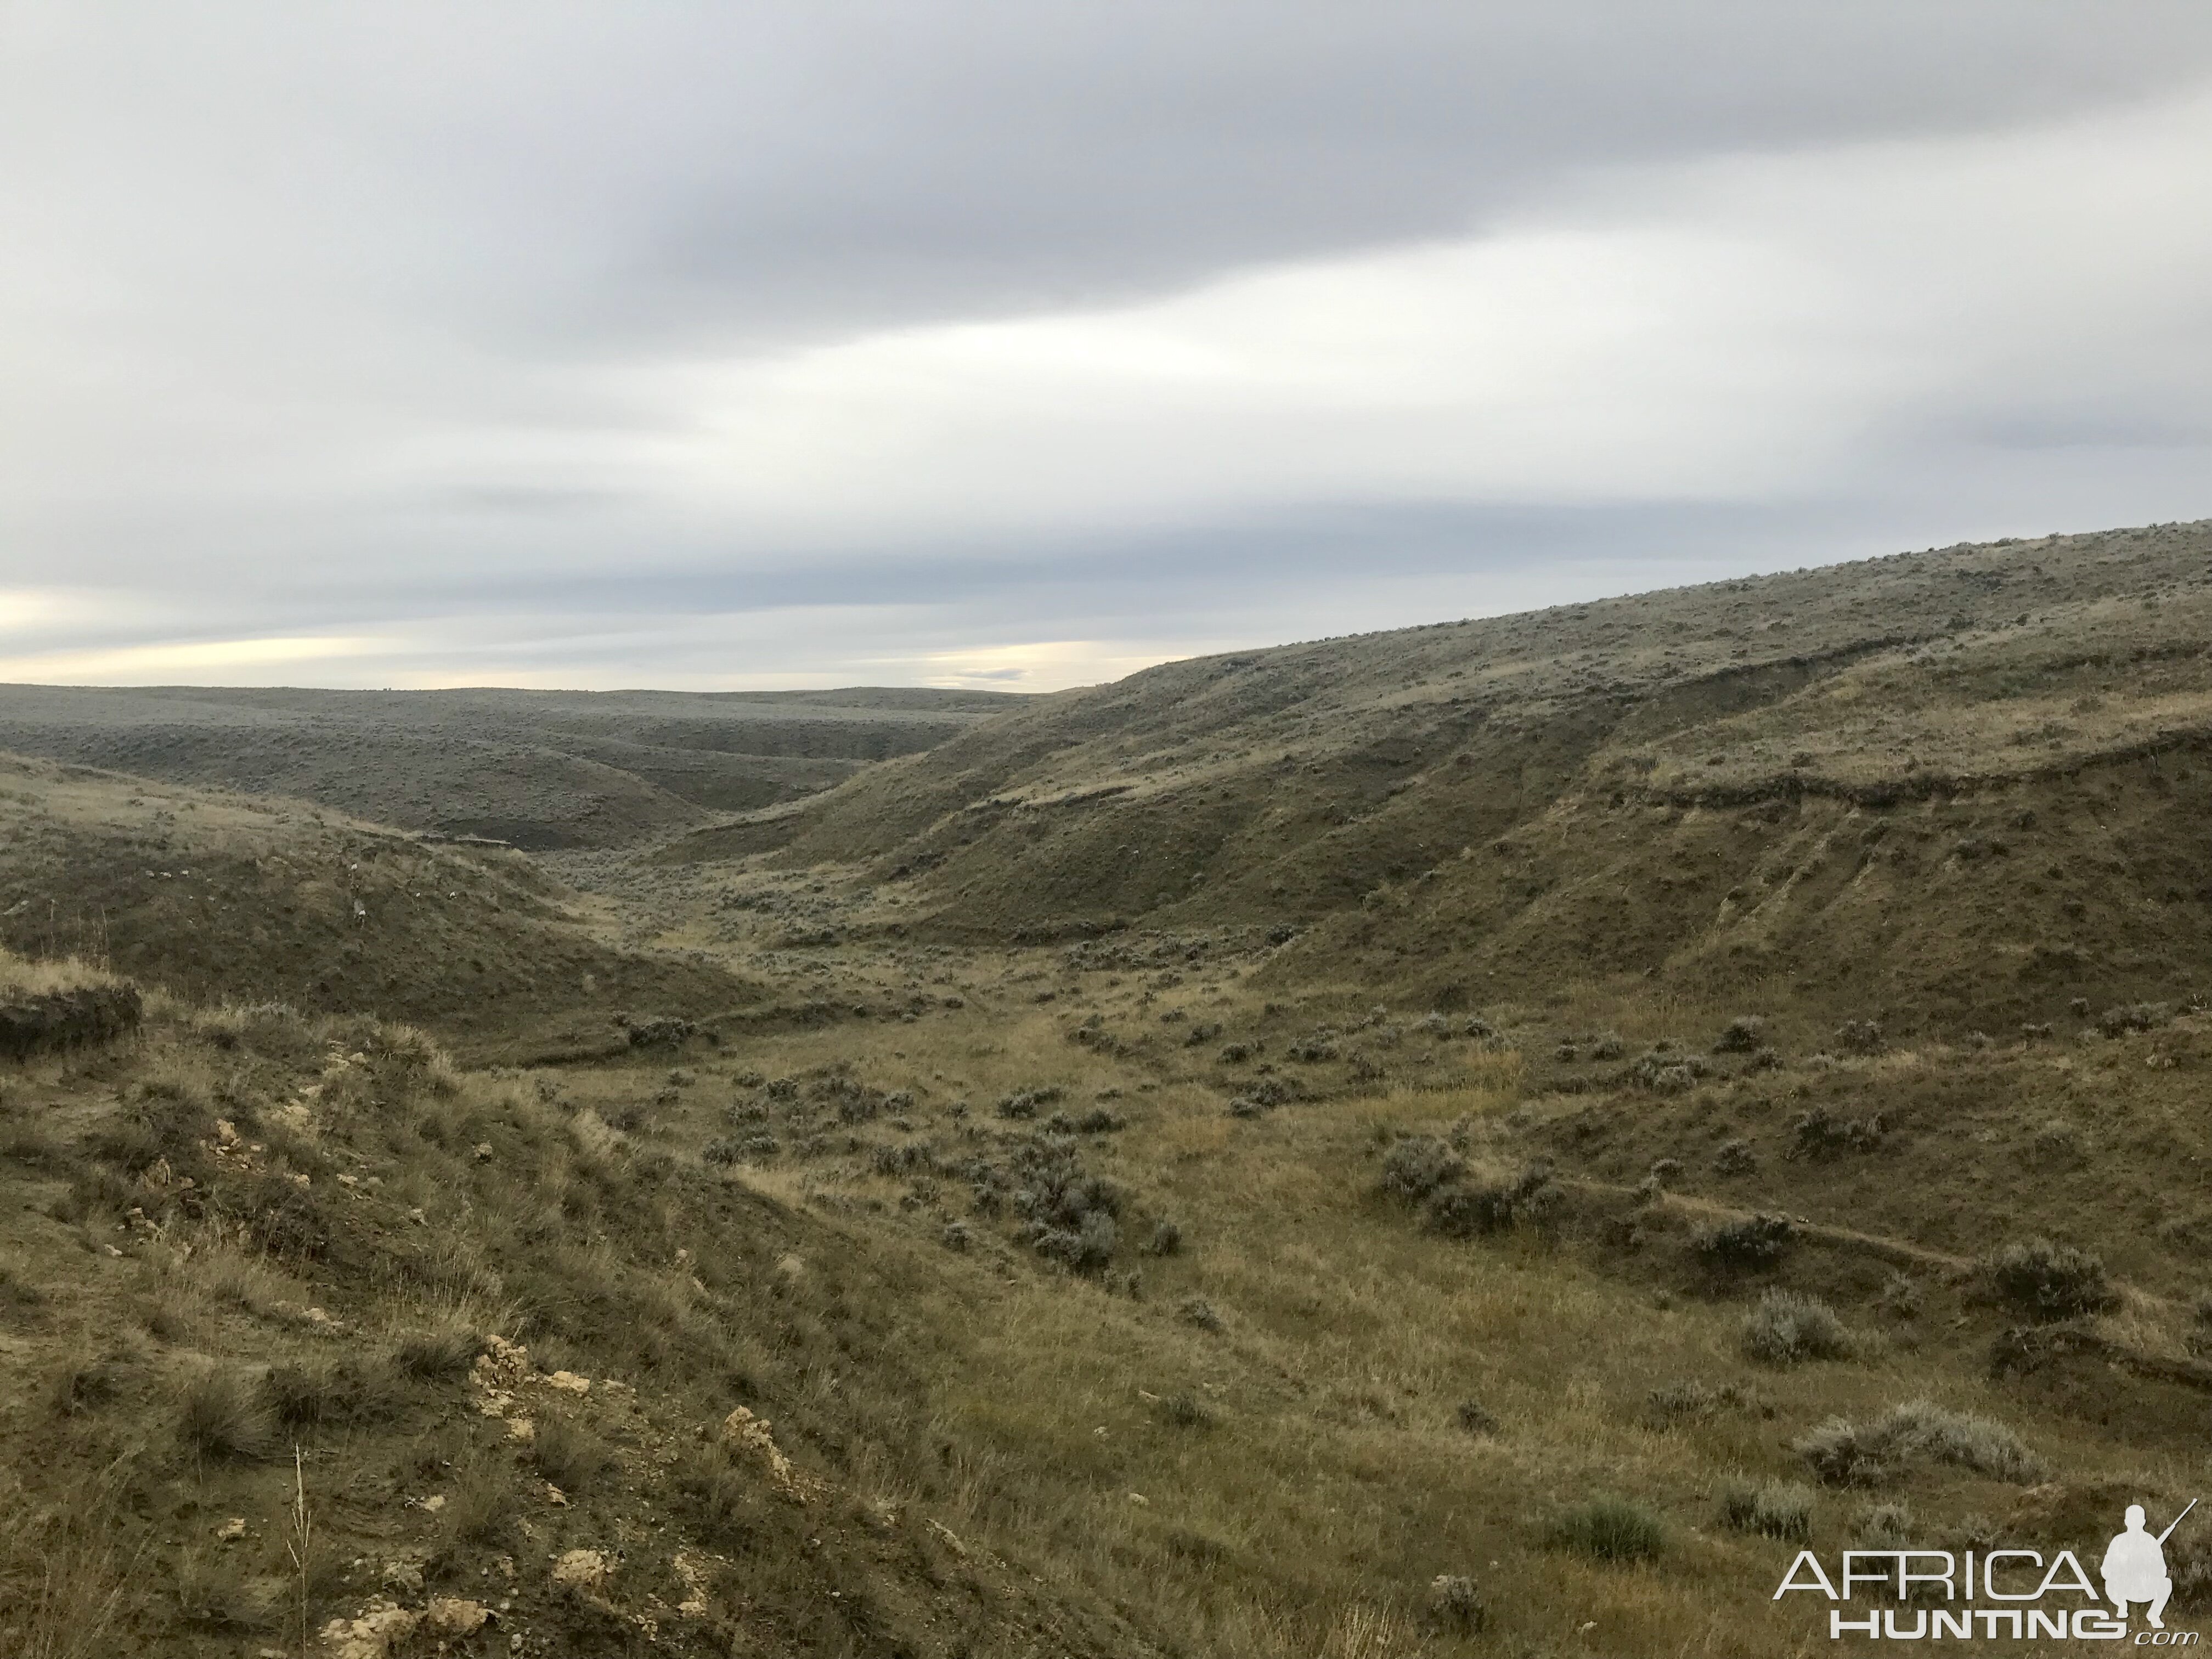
{"x":941,"y":342}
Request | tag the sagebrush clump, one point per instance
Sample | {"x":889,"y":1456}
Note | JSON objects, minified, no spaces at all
{"x":1418,"y":1165}
{"x":1789,"y":1327}
{"x":2048,"y":1280}
{"x":1776,"y":1509}
{"x":1752,"y":1241}
{"x":1920,"y":1432}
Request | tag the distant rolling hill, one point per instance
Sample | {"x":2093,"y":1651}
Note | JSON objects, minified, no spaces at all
{"x":222,"y":897}
{"x":1859,"y":782}
{"x":541,"y":769}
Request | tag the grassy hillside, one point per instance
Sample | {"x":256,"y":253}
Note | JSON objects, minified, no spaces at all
{"x":313,"y":1345}
{"x":1848,"y":777}
{"x":1484,"y":1141}
{"x":228,"y":897}
{"x":539,"y":769}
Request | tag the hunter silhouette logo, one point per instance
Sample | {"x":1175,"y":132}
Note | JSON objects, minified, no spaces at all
{"x":2134,"y":1566}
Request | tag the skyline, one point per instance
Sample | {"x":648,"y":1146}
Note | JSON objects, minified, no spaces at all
{"x":1025,"y":347}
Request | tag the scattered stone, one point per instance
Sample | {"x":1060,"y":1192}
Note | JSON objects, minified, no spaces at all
{"x":448,"y":1615}
{"x":748,"y":1436}
{"x":372,"y":1635}
{"x":583,"y":1570}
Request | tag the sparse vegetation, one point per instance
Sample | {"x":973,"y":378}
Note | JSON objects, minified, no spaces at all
{"x":981,"y":1355}
{"x":2047,"y":1280}
{"x":1788,"y":1327}
{"x":1610,"y":1530}
{"x":221,"y":1417}
{"x":1748,"y":1242}
{"x":1773,"y":1509}
{"x":1918,"y":1433}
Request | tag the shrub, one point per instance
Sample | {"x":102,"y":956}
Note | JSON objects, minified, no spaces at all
{"x":1185,"y":1411}
{"x":1455,"y":1604}
{"x":1735,"y":1157}
{"x":221,"y":1417}
{"x":903,"y":1159}
{"x":86,"y":1380}
{"x":1418,"y":1165}
{"x":213,"y":1594}
{"x":1695,"y":1401}
{"x":438,"y":1355}
{"x":1609,"y":1529}
{"x":1197,"y":1310}
{"x":1607,"y":1045}
{"x":2047,"y":1280}
{"x":1023,"y":1103}
{"x":1474,"y":1418}
{"x":1757,"y":1240}
{"x":1776,"y":1509}
{"x":1166,"y":1239}
{"x":1885,"y":1526}
{"x":2055,"y":1141}
{"x":2119,"y":1020}
{"x":567,"y":1454}
{"x":1465,"y":1211}
{"x":481,"y":1506}
{"x":331,"y":1393}
{"x":956,"y":1235}
{"x":1086,"y":1248}
{"x":1742,"y":1035}
{"x":1859,"y":1036}
{"x":1901,"y":1296}
{"x":1843,"y":1453}
{"x":1071,"y":1212}
{"x":1788,"y":1327}
{"x":1665,"y":1071}
{"x":1820,"y":1132}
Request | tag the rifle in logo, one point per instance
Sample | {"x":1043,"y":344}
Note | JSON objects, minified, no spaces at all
{"x":2134,"y":1566}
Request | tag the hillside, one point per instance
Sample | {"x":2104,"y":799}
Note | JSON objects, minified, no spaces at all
{"x":225,"y":898}
{"x":1848,"y":777}
{"x":1630,"y":1093}
{"x":538,"y":769}
{"x":313,"y":1345}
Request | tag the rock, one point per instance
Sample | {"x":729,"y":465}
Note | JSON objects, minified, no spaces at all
{"x":448,"y":1615}
{"x":373,"y":1635}
{"x":404,"y":1575}
{"x":747,"y":1436}
{"x":583,"y":1570}
{"x":569,"y":1383}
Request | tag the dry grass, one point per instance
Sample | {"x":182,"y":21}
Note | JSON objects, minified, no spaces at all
{"x":20,"y":976}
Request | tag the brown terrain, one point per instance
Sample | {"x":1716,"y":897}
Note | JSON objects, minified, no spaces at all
{"x":1484,"y":1140}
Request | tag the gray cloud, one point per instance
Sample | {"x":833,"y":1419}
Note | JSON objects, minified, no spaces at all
{"x":869,"y":334}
